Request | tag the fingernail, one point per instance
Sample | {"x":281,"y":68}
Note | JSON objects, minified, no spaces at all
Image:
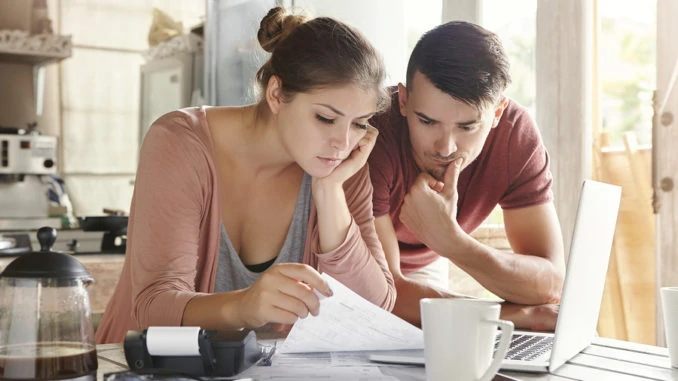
{"x":319,"y":294}
{"x":329,"y":292}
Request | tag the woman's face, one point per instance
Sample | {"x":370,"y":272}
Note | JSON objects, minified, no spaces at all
{"x":320,"y":128}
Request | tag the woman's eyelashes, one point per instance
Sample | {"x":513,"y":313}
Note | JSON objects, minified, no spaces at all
{"x":362,"y":126}
{"x":324,"y":120}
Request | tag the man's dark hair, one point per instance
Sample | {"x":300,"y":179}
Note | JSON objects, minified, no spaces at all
{"x":463,"y":60}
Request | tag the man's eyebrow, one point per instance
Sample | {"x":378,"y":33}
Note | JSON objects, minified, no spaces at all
{"x":460,"y":124}
{"x":424,"y":116}
{"x":368,"y":115}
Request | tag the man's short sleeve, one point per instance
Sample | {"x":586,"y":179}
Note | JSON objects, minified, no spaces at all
{"x":529,"y":179}
{"x":382,"y":174}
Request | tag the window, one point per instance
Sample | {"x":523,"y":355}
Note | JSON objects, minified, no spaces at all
{"x":627,"y":73}
{"x":515,"y":24}
{"x":420,"y":17}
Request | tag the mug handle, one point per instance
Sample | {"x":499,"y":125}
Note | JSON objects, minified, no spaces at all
{"x":506,"y":333}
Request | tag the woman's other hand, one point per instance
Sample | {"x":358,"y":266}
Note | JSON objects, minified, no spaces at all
{"x":355,"y":160}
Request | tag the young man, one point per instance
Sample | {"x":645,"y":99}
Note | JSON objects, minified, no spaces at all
{"x":451,"y":148}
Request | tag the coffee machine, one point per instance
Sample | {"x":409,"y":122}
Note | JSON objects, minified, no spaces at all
{"x":33,"y":196}
{"x":27,"y":163}
{"x":31,"y":193}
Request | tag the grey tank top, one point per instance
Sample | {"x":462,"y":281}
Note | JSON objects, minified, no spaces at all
{"x":232,"y":273}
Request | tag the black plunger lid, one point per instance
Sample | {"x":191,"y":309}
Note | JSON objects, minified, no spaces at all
{"x":46,"y":263}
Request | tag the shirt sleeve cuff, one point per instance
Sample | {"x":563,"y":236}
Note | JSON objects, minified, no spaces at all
{"x":353,"y":238}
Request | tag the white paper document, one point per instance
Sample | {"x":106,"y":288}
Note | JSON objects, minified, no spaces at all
{"x":309,"y":373}
{"x":347,"y":322}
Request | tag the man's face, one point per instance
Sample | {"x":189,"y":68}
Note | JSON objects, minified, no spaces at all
{"x":443,"y":128}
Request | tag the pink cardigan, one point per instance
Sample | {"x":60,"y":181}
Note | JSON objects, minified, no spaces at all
{"x":174,"y":228}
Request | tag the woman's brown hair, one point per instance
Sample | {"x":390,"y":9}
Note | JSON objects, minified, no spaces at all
{"x":307,"y":54}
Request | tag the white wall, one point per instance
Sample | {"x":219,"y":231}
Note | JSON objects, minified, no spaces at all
{"x":564,"y":88}
{"x":99,"y":95}
{"x":381,"y":21}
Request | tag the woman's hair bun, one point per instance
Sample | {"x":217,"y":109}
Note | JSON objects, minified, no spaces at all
{"x":277,"y":25}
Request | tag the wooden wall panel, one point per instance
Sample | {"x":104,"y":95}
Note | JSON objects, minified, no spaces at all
{"x":665,"y":139}
{"x":628,"y":310}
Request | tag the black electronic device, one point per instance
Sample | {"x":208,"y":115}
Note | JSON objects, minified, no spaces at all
{"x":218,"y":353}
{"x":115,"y":228}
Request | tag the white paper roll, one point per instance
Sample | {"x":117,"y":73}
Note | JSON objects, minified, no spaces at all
{"x":172,"y":341}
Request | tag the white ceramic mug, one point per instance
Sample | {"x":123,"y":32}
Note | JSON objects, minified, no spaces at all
{"x":669,"y":297}
{"x":459,"y":337}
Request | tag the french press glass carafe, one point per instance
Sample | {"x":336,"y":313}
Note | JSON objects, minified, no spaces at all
{"x":46,"y":330}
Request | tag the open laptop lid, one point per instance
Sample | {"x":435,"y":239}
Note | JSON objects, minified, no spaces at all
{"x":586,"y":270}
{"x":583,"y":286}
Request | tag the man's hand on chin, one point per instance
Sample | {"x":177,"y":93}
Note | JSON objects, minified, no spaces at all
{"x":541,"y":317}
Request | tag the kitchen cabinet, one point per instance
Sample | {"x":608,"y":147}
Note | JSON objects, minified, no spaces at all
{"x":172,"y":78}
{"x":22,"y":61}
{"x":41,"y":49}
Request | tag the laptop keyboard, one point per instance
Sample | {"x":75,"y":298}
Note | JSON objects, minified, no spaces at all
{"x":527,"y":347}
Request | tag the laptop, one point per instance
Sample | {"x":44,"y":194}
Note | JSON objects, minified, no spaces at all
{"x":582,"y":290}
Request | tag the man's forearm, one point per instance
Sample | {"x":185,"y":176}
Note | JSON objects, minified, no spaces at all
{"x":541,"y":317}
{"x":518,"y":278}
{"x":410,"y":292}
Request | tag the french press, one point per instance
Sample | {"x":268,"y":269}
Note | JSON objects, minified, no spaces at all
{"x":46,"y":330}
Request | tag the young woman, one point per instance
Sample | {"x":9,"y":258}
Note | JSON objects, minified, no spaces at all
{"x":237,"y":210}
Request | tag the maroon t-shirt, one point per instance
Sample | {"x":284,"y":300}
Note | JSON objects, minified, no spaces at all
{"x":512,"y":171}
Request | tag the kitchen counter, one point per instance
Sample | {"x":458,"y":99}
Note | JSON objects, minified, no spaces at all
{"x":105,"y":268}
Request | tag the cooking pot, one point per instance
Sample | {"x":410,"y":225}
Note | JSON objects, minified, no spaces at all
{"x":115,"y":228}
